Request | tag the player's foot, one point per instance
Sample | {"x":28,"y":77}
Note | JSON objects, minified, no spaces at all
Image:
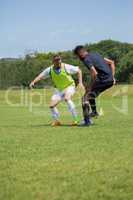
{"x":94,"y":114}
{"x":87,"y":122}
{"x":56,"y":123}
{"x":75,"y":123}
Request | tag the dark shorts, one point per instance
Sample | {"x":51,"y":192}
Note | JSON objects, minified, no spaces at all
{"x":99,"y":86}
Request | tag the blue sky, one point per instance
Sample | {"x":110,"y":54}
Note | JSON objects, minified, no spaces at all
{"x":49,"y":25}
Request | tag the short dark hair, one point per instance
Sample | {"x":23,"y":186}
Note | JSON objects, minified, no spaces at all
{"x":57,"y":56}
{"x":77,"y":49}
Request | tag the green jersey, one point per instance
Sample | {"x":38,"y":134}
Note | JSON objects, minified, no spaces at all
{"x":61,"y":80}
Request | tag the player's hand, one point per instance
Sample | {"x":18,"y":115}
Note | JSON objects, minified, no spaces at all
{"x":32,"y":84}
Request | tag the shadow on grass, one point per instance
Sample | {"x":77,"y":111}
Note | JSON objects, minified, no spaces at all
{"x":63,"y":125}
{"x":45,"y":125}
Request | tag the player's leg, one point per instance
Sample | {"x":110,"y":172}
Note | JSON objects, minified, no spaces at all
{"x":92,"y":102}
{"x":89,"y":100}
{"x":68,"y":94}
{"x":55,"y":100}
{"x":97,"y":88}
{"x":86,"y":109}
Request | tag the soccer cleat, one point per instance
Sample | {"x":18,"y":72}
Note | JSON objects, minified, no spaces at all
{"x":75,"y":123}
{"x":94,"y":114}
{"x":101,"y":112}
{"x":56,"y":123}
{"x":87,"y":122}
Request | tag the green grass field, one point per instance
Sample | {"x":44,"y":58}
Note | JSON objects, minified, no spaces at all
{"x":38,"y":162}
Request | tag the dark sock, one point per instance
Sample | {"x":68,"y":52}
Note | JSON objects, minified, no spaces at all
{"x":87,"y":120}
{"x":93,"y":105}
{"x":86,"y":111}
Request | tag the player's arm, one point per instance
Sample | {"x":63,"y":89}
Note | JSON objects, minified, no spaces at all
{"x":80,"y":79}
{"x":111,"y":63}
{"x":93,"y":74}
{"x":45,"y":74}
{"x":36,"y":80}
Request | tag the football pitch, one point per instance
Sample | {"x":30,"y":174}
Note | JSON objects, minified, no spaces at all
{"x":38,"y":162}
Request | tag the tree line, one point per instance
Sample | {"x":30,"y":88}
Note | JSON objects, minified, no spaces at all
{"x":19,"y":72}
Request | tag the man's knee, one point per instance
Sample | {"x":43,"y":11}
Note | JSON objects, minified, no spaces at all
{"x":92,"y":95}
{"x":51,"y":106}
{"x":87,"y":98}
{"x":85,"y":101}
{"x":67,"y":99}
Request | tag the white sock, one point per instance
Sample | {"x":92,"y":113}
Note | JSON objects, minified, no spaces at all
{"x":55,"y":113}
{"x":71,"y":107}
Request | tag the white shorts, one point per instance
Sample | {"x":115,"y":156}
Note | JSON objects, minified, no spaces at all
{"x":59,"y":95}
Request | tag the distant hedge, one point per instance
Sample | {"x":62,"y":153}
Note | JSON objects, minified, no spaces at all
{"x":19,"y":72}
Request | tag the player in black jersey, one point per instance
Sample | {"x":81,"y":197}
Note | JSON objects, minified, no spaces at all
{"x":102,"y":71}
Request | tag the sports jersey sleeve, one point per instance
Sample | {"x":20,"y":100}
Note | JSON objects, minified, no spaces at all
{"x":45,"y":74}
{"x":88,"y":63}
{"x":70,"y":69}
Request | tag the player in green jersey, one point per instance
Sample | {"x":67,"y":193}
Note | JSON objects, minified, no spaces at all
{"x":65,"y":88}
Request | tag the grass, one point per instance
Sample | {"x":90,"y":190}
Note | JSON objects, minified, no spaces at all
{"x":38,"y":162}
